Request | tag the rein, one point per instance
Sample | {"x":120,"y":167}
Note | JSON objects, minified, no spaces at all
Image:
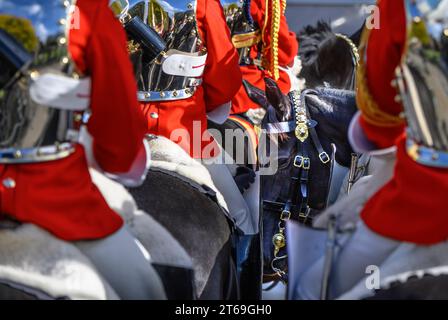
{"x":298,"y":195}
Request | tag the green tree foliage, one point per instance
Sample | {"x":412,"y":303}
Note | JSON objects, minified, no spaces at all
{"x":420,"y":31}
{"x":21,"y":29}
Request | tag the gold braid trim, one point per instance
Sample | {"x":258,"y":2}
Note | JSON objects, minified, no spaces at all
{"x":275,"y":29}
{"x":368,"y":106}
{"x":265,"y":24}
{"x":284,"y":6}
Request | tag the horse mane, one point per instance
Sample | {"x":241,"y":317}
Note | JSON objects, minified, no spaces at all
{"x":327,"y":98}
{"x":313,"y":38}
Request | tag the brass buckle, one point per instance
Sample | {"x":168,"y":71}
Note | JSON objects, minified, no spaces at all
{"x":306,"y":214}
{"x":324,"y":157}
{"x":298,"y":161}
{"x":302,"y":162}
{"x":285,"y":215}
{"x":306,"y":163}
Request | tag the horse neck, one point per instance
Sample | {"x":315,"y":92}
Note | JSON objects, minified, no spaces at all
{"x":333,"y":127}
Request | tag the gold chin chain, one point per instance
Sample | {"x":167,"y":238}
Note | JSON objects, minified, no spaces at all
{"x":284,"y":6}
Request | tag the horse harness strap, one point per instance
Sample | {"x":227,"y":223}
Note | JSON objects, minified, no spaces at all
{"x":323,"y":155}
{"x":302,"y":162}
{"x":298,"y":188}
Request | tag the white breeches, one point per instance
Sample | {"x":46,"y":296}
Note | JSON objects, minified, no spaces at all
{"x":221,"y":172}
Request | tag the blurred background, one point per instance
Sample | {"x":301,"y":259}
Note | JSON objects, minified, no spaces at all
{"x":345,"y":16}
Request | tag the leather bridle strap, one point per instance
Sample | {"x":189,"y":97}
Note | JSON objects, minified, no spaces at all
{"x":302,"y":163}
{"x":299,"y":182}
{"x":323,"y":155}
{"x":304,"y":177}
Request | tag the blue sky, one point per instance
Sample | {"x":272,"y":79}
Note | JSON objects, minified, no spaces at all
{"x":44,"y":14}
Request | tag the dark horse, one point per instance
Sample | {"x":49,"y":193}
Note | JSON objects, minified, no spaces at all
{"x":328,"y":58}
{"x":300,"y":187}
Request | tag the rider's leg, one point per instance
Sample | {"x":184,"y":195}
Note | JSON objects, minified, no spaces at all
{"x":220,"y":170}
{"x":125,"y":264}
{"x":247,"y":219}
{"x":364,"y":248}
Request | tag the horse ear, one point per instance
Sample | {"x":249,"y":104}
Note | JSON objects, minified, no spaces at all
{"x":356,"y":37}
{"x":256,"y":95}
{"x":276,"y":98}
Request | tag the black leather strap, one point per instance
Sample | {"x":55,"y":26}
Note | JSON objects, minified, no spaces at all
{"x":304,"y":178}
{"x":323,"y":155}
{"x":298,"y":193}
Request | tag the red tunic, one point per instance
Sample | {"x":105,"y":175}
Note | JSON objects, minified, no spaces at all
{"x":60,"y":196}
{"x":288,"y":48}
{"x":412,"y":206}
{"x":384,"y":50}
{"x":221,"y":81}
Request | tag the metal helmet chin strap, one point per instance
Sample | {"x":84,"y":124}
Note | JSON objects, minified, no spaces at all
{"x":304,"y":129}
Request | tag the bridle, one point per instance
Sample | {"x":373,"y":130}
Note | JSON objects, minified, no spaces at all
{"x":296,"y":204}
